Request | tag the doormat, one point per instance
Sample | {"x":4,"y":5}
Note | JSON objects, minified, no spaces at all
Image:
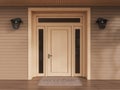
{"x":60,"y":81}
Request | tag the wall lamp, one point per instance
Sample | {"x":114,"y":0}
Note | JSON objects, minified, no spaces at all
{"x":102,"y":22}
{"x":16,"y":22}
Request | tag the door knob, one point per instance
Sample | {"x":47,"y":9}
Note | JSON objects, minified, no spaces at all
{"x":49,"y":55}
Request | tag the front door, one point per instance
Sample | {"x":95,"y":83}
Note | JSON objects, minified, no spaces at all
{"x":59,"y":51}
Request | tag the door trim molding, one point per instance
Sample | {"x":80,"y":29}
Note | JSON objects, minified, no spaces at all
{"x":88,"y":36}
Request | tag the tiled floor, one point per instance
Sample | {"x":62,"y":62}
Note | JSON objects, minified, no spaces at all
{"x":33,"y":85}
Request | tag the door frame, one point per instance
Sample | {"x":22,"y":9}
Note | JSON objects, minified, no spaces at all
{"x":72,"y":64}
{"x":31,"y":12}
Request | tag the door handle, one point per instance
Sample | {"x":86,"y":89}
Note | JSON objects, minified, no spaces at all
{"x":49,"y":55}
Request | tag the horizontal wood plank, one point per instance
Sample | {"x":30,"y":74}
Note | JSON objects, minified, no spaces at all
{"x":105,"y":44}
{"x":13,"y":44}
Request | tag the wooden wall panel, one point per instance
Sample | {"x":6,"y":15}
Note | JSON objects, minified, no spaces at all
{"x":59,"y":2}
{"x":13,"y":2}
{"x":13,"y":45}
{"x":106,"y":44}
{"x":43,"y":2}
{"x":91,"y":2}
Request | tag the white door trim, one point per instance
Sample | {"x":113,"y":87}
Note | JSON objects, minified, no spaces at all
{"x":88,"y":34}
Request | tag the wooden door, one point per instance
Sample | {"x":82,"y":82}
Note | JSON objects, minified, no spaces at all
{"x":59,"y":51}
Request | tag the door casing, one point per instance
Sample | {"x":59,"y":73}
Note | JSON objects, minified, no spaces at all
{"x":73,"y":26}
{"x":73,"y":12}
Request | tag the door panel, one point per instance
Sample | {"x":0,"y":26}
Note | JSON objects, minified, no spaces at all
{"x":59,"y":50}
{"x":59,"y":43}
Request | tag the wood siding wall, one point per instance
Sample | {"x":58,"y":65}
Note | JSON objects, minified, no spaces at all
{"x":106,"y":44}
{"x":13,"y":45}
{"x":59,"y":2}
{"x":105,"y":47}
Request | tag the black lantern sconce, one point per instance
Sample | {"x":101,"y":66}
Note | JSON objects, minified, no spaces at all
{"x":101,"y":22}
{"x":16,"y":22}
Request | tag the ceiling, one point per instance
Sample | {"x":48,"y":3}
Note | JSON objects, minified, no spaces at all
{"x":59,"y":2}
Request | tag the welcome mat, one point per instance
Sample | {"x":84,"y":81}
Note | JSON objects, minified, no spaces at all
{"x":60,"y":81}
